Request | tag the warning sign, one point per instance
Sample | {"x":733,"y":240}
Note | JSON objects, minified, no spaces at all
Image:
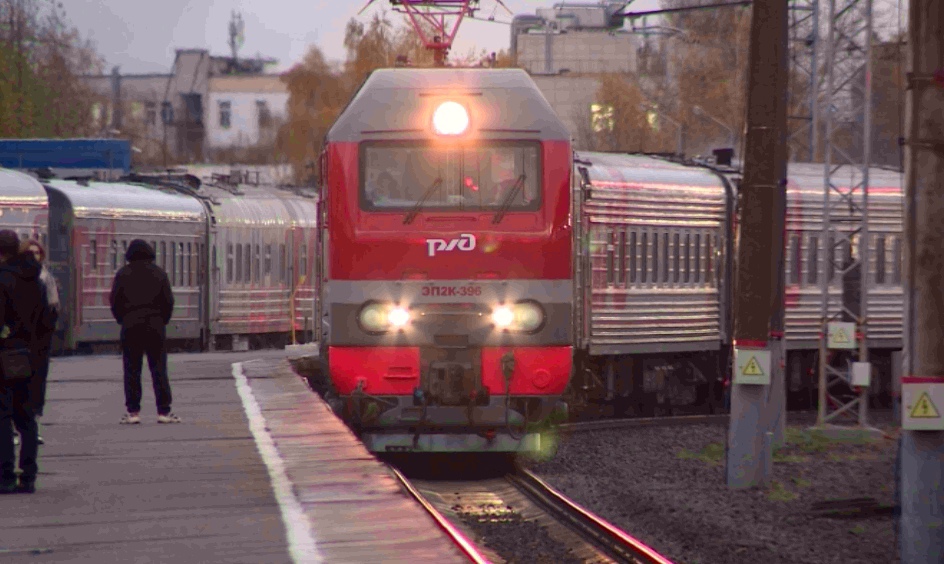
{"x":752,"y":366}
{"x":924,"y":407}
{"x":841,"y":335}
{"x":922,"y":400}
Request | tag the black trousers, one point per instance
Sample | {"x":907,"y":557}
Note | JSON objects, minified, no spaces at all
{"x":15,"y":409}
{"x":145,"y":338}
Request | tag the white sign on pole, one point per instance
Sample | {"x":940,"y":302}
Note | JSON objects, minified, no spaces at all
{"x":841,"y":335}
{"x":922,"y":405}
{"x":752,"y":366}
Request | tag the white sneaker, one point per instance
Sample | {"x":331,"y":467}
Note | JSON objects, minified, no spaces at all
{"x":130,"y":419}
{"x":169,"y":418}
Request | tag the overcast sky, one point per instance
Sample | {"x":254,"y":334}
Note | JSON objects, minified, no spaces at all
{"x":141,"y":35}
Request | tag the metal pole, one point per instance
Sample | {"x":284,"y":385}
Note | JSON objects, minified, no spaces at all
{"x":759,"y":248}
{"x":921,"y":455}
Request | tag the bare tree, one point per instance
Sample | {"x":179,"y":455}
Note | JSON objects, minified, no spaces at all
{"x":41,"y":61}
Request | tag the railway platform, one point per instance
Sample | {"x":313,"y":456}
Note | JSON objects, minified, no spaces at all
{"x":259,"y":470}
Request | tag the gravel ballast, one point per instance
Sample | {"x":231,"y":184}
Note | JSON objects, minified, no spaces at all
{"x":666,"y":486}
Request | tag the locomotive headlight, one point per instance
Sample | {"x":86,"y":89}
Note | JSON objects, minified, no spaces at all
{"x":398,"y":317}
{"x":373,"y":318}
{"x":526,"y":316}
{"x":503,"y":317}
{"x":529,"y":316}
{"x":450,"y":118}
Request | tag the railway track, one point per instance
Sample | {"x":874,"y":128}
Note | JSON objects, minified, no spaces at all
{"x":520,"y":495}
{"x":635,"y":422}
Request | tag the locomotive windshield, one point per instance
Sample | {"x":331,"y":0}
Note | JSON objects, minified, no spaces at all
{"x":395,"y":176}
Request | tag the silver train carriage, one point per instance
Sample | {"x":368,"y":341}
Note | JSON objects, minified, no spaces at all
{"x":653,"y":281}
{"x":262,"y":242}
{"x":24,"y":207}
{"x":650,"y":279}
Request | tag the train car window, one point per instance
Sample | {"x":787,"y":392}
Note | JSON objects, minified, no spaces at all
{"x":229,"y":262}
{"x":644,"y":258}
{"x":687,"y":249}
{"x":795,"y":264}
{"x":396,"y":175}
{"x":678,"y":258}
{"x":256,"y":267}
{"x":665,"y":258}
{"x":632,"y":257}
{"x":621,"y":273}
{"x":282,"y":263}
{"x":609,"y":259}
{"x":124,"y":249}
{"x":709,"y":260}
{"x":696,"y":274}
{"x":247,"y":269}
{"x":93,"y":255}
{"x":896,"y":261}
{"x":880,"y":259}
{"x":114,"y":255}
{"x":268,"y":260}
{"x":655,"y":258}
{"x":173,"y":263}
{"x":812,"y":260}
{"x":181,"y":262}
{"x":164,"y":264}
{"x":191,"y":264}
{"x":239,"y":263}
{"x":303,"y":262}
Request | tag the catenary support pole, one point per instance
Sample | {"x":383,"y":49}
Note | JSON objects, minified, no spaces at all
{"x":921,"y":457}
{"x":759,"y":249}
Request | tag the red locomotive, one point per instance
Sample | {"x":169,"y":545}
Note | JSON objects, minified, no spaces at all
{"x":446,"y":294}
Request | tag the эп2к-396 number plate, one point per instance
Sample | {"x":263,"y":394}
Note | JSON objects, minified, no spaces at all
{"x":449,"y":291}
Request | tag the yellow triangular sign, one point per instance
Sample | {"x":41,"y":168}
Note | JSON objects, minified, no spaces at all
{"x":752,"y":368}
{"x":924,"y":408}
{"x":840,"y":336}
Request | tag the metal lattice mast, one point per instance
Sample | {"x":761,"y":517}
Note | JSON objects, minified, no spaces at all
{"x":845,"y":205}
{"x":804,"y":78}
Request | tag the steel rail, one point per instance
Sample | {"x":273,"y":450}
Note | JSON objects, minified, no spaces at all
{"x":606,"y":536}
{"x":460,"y":540}
{"x":599,"y":425}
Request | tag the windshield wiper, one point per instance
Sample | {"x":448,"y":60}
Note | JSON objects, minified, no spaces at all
{"x":509,"y":197}
{"x":411,"y":215}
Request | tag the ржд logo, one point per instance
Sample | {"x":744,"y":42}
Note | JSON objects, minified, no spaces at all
{"x":465,"y":242}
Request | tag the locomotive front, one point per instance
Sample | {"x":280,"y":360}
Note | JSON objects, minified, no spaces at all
{"x":447,"y":295}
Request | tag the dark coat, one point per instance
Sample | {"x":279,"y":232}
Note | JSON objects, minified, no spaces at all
{"x":141,"y":290}
{"x":23,"y":304}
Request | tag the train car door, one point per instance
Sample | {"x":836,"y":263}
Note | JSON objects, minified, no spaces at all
{"x":64,"y":267}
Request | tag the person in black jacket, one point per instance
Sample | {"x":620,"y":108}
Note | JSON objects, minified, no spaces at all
{"x":23,"y":311}
{"x":142,"y":303}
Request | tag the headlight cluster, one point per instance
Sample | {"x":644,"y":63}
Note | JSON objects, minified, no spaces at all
{"x":526,"y":316}
{"x":376,"y":317}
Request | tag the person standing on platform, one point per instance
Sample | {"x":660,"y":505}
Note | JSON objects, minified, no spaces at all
{"x":41,"y":366}
{"x":23,"y":309}
{"x":142,"y":302}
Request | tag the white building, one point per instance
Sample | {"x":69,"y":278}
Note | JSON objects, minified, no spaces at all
{"x":244,"y":111}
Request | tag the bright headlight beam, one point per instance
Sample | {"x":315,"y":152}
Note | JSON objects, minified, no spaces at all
{"x":398,"y":317}
{"x":450,"y":118}
{"x":503,"y":317}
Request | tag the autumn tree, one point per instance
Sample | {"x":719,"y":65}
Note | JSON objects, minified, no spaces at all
{"x":42,"y":60}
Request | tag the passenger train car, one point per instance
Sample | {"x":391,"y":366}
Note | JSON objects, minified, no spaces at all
{"x":447,"y":263}
{"x":653,"y":272}
{"x":239,"y":256}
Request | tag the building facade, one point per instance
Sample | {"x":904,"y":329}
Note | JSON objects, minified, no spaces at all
{"x":175,"y":117}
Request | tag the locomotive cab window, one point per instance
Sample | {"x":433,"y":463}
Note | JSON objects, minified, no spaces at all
{"x":398,"y":176}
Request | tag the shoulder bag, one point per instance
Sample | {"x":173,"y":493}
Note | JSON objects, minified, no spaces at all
{"x":15,"y":365}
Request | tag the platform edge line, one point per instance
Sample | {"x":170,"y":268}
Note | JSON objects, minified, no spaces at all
{"x":302,"y":545}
